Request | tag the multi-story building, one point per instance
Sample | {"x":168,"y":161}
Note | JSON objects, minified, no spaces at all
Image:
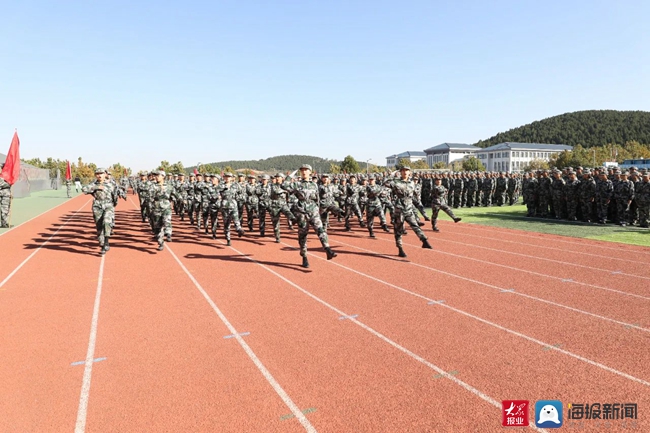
{"x":449,"y":152}
{"x":412,"y":156}
{"x":515,"y":156}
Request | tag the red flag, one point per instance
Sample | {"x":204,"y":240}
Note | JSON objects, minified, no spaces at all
{"x":68,"y":172}
{"x":11,"y":170}
{"x":196,"y":172}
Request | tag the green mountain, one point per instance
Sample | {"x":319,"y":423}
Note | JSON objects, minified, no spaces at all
{"x":587,"y":128}
{"x":276,"y":163}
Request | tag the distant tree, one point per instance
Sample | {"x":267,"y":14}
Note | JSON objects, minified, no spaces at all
{"x":334,"y":168}
{"x":350,"y":165}
{"x":166,"y":166}
{"x":473,"y":164}
{"x":177,"y":167}
{"x":536,"y":164}
{"x":439,"y":165}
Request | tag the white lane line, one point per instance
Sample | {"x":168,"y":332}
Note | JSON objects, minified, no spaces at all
{"x":295,"y":410}
{"x":487,"y":322}
{"x":589,"y":242}
{"x":593,"y":286}
{"x":82,"y":411}
{"x":41,"y":246}
{"x":608,"y":271}
{"x":33,"y":218}
{"x":397,"y":346}
{"x":546,"y":301}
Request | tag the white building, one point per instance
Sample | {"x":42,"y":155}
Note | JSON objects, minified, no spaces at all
{"x":515,"y":156}
{"x":449,"y":152}
{"x":412,"y":156}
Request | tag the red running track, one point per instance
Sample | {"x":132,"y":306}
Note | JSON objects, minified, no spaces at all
{"x":365,"y":342}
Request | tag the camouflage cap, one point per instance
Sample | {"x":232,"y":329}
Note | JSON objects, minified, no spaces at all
{"x":266,"y":177}
{"x":241,"y":175}
{"x":228,"y":174}
{"x":625,"y":173}
{"x":161,"y":173}
{"x":251,"y":176}
{"x":100,"y":170}
{"x":325,"y":175}
{"x":279,"y":175}
{"x":179,"y":174}
{"x":404,"y":168}
{"x":192,"y":175}
{"x":305,"y":167}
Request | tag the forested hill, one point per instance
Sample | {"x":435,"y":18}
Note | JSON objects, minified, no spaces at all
{"x":276,"y":163}
{"x":588,"y":128}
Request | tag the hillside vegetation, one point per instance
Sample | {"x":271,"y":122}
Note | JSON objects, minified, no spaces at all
{"x":587,"y":128}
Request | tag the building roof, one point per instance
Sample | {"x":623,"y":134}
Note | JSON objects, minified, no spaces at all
{"x":450,"y":146}
{"x":408,"y":154}
{"x":527,"y":146}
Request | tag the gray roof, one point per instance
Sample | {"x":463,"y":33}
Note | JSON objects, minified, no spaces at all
{"x":408,"y":154}
{"x":449,"y":146}
{"x":527,"y":146}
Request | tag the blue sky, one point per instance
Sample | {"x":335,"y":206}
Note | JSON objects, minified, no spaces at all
{"x":139,"y":82}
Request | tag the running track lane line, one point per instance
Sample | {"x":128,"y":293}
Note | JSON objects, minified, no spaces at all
{"x":402,"y":349}
{"x":608,"y":271}
{"x":523,"y":270}
{"x":33,"y":218}
{"x":594,"y":242}
{"x":551,"y":248}
{"x":546,"y":301}
{"x":266,"y":373}
{"x":42,"y":245}
{"x":82,"y":411}
{"x":487,"y":322}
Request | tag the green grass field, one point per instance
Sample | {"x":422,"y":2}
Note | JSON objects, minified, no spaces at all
{"x":514,"y":217}
{"x":26,"y":208}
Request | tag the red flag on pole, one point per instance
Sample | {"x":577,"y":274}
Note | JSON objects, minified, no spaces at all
{"x":11,"y":170}
{"x":68,"y":171}
{"x":196,"y":172}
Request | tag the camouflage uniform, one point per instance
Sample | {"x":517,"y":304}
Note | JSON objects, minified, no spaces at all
{"x":5,"y":202}
{"x":557,"y":195}
{"x":587,"y":195}
{"x":227,"y":197}
{"x":327,"y":203}
{"x":500,"y":188}
{"x":438,"y":202}
{"x":472,"y":190}
{"x":352,"y":203}
{"x":103,"y":209}
{"x":306,"y":211}
{"x":214,"y":201}
{"x":486,"y":189}
{"x":624,"y":193}
{"x":279,"y":206}
{"x":458,"y":191}
{"x":162,"y":195}
{"x":251,"y":202}
{"x":375,"y":208}
{"x":543,"y":194}
{"x":604,"y":191}
{"x":403,"y":191}
{"x":530,"y":191}
{"x":572,"y":196}
{"x":263,"y":193}
{"x":643,"y":201}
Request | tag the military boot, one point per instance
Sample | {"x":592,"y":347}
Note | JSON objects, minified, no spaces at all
{"x":426,"y":245}
{"x":385,"y":228}
{"x":330,"y":254}
{"x":305,"y":262}
{"x":401,"y":252}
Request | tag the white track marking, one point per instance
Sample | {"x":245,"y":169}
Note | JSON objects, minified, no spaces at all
{"x":295,"y":410}
{"x":397,"y":346}
{"x":33,"y":218}
{"x":487,"y":322}
{"x":82,"y":411}
{"x":546,"y":301}
{"x":524,"y":270}
{"x":608,"y":271}
{"x":588,"y":242}
{"x":41,"y":246}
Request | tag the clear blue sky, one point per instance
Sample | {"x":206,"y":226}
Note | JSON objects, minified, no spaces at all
{"x":137,"y":82}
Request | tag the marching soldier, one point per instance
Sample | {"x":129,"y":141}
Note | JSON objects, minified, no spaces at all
{"x":375,"y":208}
{"x":227,"y":196}
{"x":306,"y":191}
{"x":103,"y":209}
{"x":162,"y":193}
{"x":279,"y":205}
{"x":403,"y":190}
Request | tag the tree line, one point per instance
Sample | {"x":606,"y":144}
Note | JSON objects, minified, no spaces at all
{"x":591,"y":128}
